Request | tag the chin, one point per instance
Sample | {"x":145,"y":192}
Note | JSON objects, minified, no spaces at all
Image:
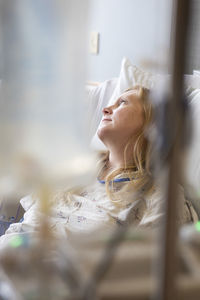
{"x":100,"y":134}
{"x":104,"y":135}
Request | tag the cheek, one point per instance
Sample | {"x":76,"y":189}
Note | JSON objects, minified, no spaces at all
{"x":130,"y":121}
{"x":137,"y":122}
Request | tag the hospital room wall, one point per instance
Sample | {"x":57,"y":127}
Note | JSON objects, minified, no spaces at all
{"x":137,"y":29}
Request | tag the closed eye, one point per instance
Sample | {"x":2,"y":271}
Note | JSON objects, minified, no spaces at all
{"x":121,"y":101}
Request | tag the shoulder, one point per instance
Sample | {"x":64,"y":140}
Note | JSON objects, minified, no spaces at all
{"x":154,"y":213}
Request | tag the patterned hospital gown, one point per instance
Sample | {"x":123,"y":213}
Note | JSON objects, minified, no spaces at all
{"x":92,"y":208}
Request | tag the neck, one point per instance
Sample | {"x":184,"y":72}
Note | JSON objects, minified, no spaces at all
{"x":120,"y":157}
{"x":116,"y":161}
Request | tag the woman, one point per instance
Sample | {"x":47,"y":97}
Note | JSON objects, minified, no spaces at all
{"x":124,"y":186}
{"x":124,"y":130}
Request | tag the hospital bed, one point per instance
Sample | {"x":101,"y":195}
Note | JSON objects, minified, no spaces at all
{"x":130,"y":274}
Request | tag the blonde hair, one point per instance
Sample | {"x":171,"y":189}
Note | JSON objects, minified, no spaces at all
{"x":139,"y":174}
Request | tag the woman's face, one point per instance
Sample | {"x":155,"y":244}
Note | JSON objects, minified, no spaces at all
{"x":122,"y":120}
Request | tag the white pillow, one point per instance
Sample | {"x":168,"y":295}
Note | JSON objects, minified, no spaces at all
{"x":192,"y":169}
{"x":129,"y":76}
{"x":192,"y":82}
{"x":98,"y":98}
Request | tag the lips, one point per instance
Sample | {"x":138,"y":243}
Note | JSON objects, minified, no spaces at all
{"x":106,"y":119}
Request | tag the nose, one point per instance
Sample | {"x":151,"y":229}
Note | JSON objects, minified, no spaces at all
{"x":107,"y":110}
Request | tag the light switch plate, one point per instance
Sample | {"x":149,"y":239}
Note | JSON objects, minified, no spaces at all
{"x":94,"y":42}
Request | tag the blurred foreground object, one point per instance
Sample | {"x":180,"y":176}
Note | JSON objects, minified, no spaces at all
{"x":60,"y":269}
{"x":43,"y":113}
{"x":43,"y":130}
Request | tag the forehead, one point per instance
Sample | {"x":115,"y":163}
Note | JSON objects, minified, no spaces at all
{"x":131,"y":95}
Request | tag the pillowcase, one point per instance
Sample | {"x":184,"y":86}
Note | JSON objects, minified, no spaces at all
{"x":98,"y":98}
{"x":192,"y":82}
{"x":192,"y":167}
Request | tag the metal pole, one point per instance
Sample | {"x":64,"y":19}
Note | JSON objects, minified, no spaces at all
{"x":177,"y":114}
